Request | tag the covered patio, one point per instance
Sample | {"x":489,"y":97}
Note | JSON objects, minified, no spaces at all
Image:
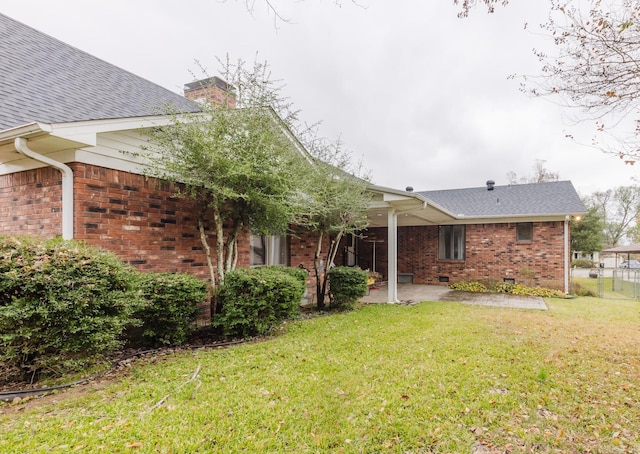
{"x":468,"y":234}
{"x":392,"y":208}
{"x":410,"y":294}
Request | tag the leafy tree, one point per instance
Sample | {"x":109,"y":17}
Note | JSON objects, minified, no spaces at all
{"x":619,"y":208}
{"x":336,"y":205}
{"x":586,"y":234}
{"x":240,"y":166}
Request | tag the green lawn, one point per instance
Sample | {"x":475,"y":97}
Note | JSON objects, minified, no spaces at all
{"x":436,"y":377}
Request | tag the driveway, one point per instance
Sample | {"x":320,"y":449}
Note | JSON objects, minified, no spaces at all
{"x":415,"y":293}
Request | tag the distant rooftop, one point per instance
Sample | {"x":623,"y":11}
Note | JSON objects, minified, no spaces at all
{"x":552,"y":198}
{"x":43,"y":79}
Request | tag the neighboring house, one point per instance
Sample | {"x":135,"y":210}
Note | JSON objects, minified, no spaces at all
{"x":66,"y":117}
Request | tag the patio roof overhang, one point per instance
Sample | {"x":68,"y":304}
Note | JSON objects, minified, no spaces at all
{"x":391,"y":208}
{"x":411,"y":209}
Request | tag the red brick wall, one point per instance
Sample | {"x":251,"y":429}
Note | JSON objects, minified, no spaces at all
{"x":123,"y":212}
{"x":492,"y":254}
{"x":140,"y":220}
{"x":31,"y":203}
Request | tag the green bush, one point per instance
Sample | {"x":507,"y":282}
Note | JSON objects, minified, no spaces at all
{"x":299,"y":273}
{"x":507,"y":287}
{"x":171,"y":308}
{"x":346,"y":286}
{"x":582,"y":263}
{"x":477,"y":287}
{"x":504,"y":287}
{"x":62,"y":304}
{"x":252,"y":301}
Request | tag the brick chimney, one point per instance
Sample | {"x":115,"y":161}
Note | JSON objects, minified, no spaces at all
{"x":212,"y":89}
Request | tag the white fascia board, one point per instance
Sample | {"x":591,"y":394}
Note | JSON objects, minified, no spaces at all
{"x":25,"y":163}
{"x":85,"y":132}
{"x":27,"y":130}
{"x":461,"y":219}
{"x":88,"y":157}
{"x":376,"y":204}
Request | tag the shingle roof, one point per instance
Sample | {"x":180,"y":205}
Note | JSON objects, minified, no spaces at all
{"x":43,"y":79}
{"x":553,"y":198}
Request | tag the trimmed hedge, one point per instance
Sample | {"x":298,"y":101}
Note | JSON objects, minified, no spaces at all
{"x":346,"y":286}
{"x":62,"y":304}
{"x":582,"y":263}
{"x":171,"y":308}
{"x":252,"y":301}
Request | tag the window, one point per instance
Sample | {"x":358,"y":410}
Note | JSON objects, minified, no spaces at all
{"x":269,"y":250}
{"x":524,"y":232}
{"x":451,"y":242}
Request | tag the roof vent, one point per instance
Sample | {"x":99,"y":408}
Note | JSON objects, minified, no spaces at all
{"x":409,"y":189}
{"x":490,"y":185}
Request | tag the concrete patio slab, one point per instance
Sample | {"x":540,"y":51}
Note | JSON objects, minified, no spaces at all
{"x":415,"y":293}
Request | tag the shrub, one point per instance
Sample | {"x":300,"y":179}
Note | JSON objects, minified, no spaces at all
{"x":171,"y":308}
{"x":477,"y":287}
{"x":346,"y":286}
{"x":507,"y":287}
{"x":252,"y":301}
{"x":62,"y":304}
{"x":299,"y":273}
{"x":536,"y":291}
{"x":504,"y":287}
{"x":582,"y":263}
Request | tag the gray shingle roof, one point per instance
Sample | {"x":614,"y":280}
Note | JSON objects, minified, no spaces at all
{"x":43,"y":79}
{"x":539,"y":199}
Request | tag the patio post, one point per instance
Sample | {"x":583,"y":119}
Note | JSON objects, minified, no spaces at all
{"x":392,"y":256}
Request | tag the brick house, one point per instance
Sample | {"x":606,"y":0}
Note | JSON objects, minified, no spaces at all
{"x":515,"y":233}
{"x":66,"y":117}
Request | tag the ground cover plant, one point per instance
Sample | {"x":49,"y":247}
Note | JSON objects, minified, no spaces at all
{"x":506,"y":287}
{"x":434,"y":377}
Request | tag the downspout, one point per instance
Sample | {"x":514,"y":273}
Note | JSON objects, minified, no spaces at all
{"x":67,"y":184}
{"x":566,"y":254}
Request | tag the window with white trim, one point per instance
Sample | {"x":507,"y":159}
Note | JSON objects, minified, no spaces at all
{"x":269,"y":250}
{"x":451,"y":242}
{"x":524,"y":232}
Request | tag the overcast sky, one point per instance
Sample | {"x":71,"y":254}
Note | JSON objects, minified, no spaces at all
{"x":422,"y":97}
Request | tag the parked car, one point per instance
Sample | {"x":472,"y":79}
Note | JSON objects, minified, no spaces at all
{"x":630,"y":264}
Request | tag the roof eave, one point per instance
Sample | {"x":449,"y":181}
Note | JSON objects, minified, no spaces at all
{"x":27,"y":130}
{"x":521,"y":217}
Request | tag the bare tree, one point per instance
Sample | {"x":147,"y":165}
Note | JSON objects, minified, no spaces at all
{"x":595,"y":66}
{"x":467,"y":5}
{"x":540,"y":174}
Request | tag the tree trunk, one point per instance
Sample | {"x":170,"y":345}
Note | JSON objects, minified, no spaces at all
{"x":232,"y":249}
{"x":234,"y":265}
{"x":331,"y":255}
{"x":316,"y":268}
{"x":212,"y":273}
{"x":219,"y":244}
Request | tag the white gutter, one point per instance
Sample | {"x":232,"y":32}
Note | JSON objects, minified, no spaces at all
{"x":67,"y":184}
{"x":29,"y":129}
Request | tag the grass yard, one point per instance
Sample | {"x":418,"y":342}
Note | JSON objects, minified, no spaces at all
{"x":435,"y":377}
